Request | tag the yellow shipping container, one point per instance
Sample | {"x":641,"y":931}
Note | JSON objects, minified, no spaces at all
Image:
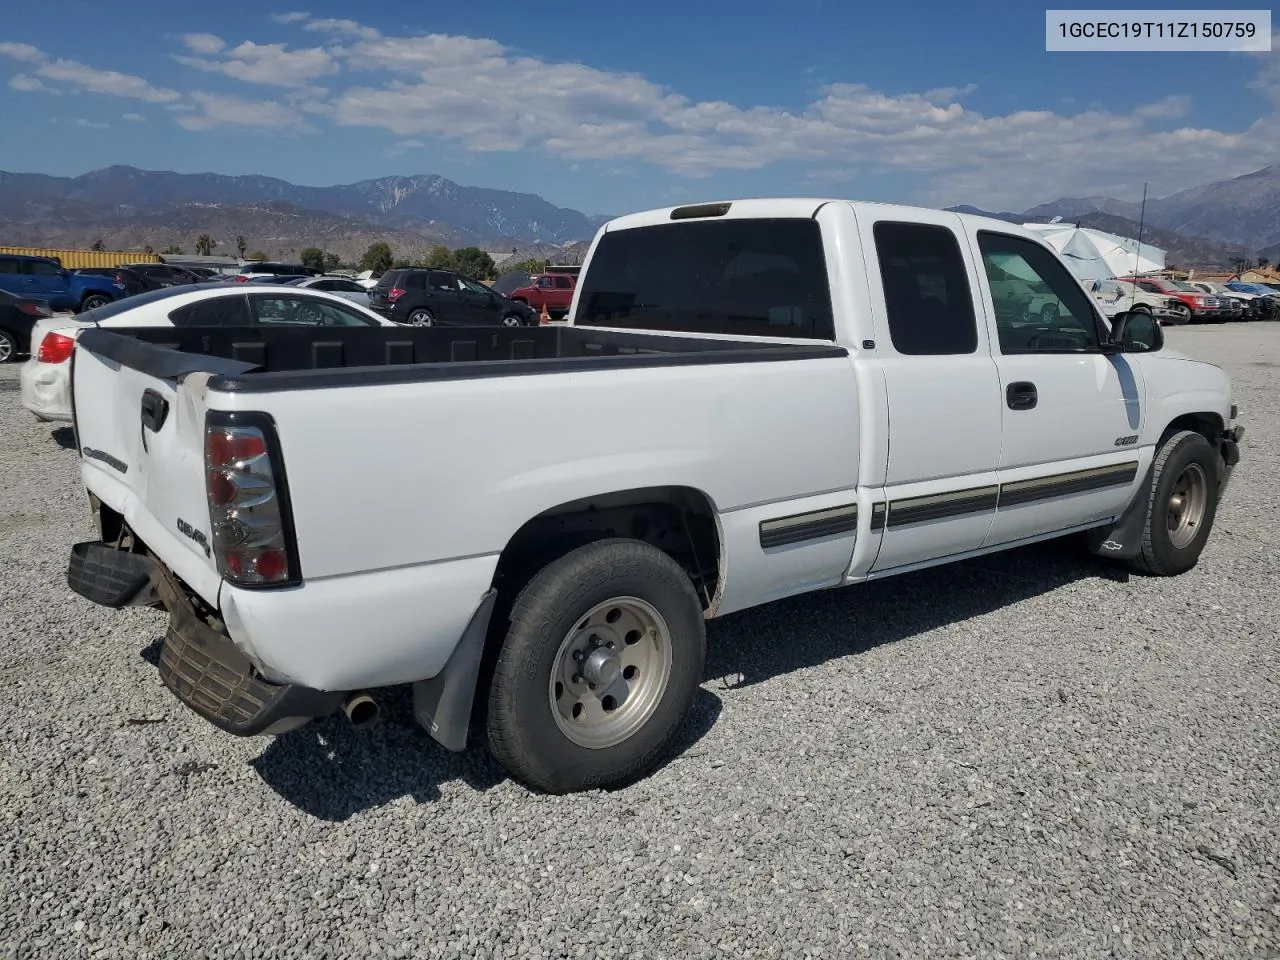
{"x":75,"y":259}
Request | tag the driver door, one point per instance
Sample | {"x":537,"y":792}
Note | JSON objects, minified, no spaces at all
{"x":1071,"y":415}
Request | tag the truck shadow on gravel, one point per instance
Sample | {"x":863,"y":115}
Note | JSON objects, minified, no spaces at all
{"x":759,"y":644}
{"x":332,"y":771}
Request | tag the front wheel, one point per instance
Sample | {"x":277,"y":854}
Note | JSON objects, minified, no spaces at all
{"x":598,"y":668}
{"x":93,"y":301}
{"x":512,"y":320}
{"x":1182,"y":507}
{"x":8,"y":347}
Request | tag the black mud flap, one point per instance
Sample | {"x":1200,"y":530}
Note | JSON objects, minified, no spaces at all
{"x":1122,"y":540}
{"x":107,"y":575}
{"x":443,"y":704}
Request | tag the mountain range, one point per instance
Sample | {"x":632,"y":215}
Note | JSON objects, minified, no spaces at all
{"x":127,"y":208}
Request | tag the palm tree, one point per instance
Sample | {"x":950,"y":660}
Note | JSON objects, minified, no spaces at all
{"x":1263,"y":263}
{"x":241,"y":246}
{"x":205,"y":245}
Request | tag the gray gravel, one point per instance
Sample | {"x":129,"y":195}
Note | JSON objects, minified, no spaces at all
{"x":1026,"y":755}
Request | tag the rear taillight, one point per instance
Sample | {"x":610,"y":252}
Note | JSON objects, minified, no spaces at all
{"x":34,"y":308}
{"x":241,"y":278}
{"x":249,"y":511}
{"x":55,"y":348}
{"x":395,"y":293}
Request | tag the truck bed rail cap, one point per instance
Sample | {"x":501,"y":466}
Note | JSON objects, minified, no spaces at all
{"x":156,"y":361}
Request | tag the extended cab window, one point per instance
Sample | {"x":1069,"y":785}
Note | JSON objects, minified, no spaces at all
{"x":1040,"y":307}
{"x":763,"y":278}
{"x":926,"y":292}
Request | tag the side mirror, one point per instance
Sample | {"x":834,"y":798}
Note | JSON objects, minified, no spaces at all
{"x":1134,"y":331}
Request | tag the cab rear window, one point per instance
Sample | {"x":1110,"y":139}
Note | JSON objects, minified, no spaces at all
{"x":756,"y":277}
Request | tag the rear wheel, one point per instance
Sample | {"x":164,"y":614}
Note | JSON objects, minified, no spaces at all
{"x":598,"y":668}
{"x":422,"y":317}
{"x":93,"y":301}
{"x":1182,"y":507}
{"x":8,"y":347}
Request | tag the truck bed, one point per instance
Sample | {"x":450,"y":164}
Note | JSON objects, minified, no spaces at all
{"x":257,"y":359}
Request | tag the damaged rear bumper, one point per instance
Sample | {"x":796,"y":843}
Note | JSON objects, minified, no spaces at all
{"x":201,"y":666}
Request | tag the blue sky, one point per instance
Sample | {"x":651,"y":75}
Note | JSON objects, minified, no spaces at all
{"x":936,"y":103}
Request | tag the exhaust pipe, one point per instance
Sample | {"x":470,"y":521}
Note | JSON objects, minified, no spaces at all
{"x":361,"y":709}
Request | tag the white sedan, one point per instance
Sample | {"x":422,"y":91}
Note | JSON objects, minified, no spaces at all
{"x":344,"y":287}
{"x":46,"y":381}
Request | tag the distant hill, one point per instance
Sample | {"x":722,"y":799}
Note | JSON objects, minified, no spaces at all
{"x":427,"y":203}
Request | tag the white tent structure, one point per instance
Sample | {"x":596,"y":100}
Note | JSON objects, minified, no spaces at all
{"x":1095,"y":255}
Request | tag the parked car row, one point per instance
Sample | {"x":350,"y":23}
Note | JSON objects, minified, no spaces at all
{"x":1208,"y":302}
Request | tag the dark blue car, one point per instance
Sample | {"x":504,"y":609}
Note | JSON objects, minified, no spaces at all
{"x":42,"y":278}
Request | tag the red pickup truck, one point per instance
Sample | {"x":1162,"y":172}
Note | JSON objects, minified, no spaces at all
{"x":555,"y":290}
{"x":1204,"y":307}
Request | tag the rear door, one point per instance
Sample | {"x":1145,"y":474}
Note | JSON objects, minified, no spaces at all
{"x":444,"y":297}
{"x":942,"y":387}
{"x":141,"y":437}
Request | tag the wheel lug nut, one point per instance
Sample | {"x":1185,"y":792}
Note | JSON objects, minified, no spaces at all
{"x":610,"y":644}
{"x":579,"y":655}
{"x":595,"y":641}
{"x":577,"y":678}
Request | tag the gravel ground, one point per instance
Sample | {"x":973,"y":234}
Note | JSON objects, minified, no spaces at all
{"x":1027,"y":755}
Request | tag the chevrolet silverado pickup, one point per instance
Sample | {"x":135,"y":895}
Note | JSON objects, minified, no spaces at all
{"x":751,"y":400}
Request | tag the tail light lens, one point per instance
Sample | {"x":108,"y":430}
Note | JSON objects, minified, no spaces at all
{"x":55,"y":348}
{"x":241,"y":278}
{"x":395,"y":293}
{"x":249,"y":512}
{"x":34,"y":308}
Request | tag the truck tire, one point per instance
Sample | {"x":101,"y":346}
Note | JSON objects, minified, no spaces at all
{"x":1182,"y":507}
{"x":598,"y":669}
{"x":94,"y":300}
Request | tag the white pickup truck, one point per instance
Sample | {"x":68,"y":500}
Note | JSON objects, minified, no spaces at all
{"x":752,"y":399}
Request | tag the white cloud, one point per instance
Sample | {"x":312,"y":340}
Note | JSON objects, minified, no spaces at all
{"x":109,"y":82}
{"x":205,"y":43}
{"x":28,"y":84}
{"x":270,"y":64}
{"x":21,"y":51}
{"x":221,"y":110}
{"x":346,"y":27}
{"x":296,"y":17}
{"x":92,"y":124}
{"x":133,"y":117}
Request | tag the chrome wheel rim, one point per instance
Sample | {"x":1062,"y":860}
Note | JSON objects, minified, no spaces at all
{"x":511,"y":321}
{"x":610,"y":672}
{"x":420,"y":319}
{"x":1187,"y":502}
{"x":6,"y":348}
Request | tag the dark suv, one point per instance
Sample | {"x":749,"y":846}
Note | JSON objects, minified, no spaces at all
{"x":428,"y":298}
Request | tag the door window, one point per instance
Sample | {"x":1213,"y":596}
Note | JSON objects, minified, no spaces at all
{"x":444,"y":281}
{"x":306,"y":312}
{"x":926,"y":292}
{"x":229,"y":311}
{"x":563,"y":283}
{"x":473,"y":286}
{"x":1040,"y":307}
{"x":43,"y":268}
{"x":10,"y":265}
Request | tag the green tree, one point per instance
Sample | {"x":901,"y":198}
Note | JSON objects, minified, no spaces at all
{"x":148,"y":249}
{"x":98,"y":245}
{"x":331,"y":262}
{"x":240,"y":247}
{"x":1237,"y":264}
{"x":474,"y":263}
{"x":528,"y":266}
{"x":258,"y":255}
{"x":205,"y":245}
{"x":312,"y":257}
{"x":377,"y":258}
{"x":402,"y":263}
{"x":172,"y":248}
{"x":1264,"y":262}
{"x":440,"y":257}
